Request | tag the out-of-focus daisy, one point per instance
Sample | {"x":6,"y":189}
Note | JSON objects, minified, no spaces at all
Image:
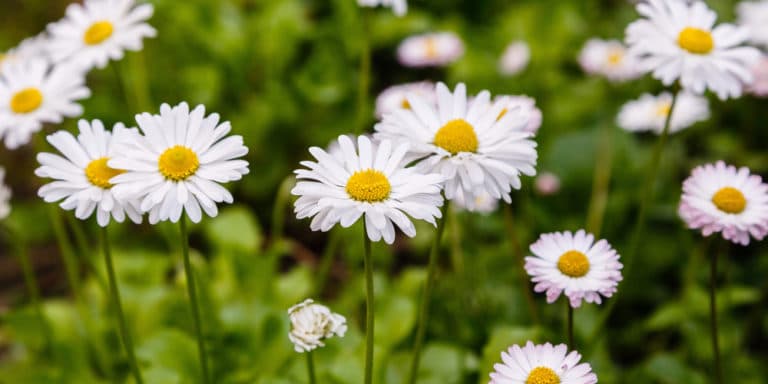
{"x":481,"y":204}
{"x":541,"y":364}
{"x":371,"y":181}
{"x":476,"y":148}
{"x":179,"y":163}
{"x":29,"y":49}
{"x":97,"y":31}
{"x":759,"y":86}
{"x":608,"y":58}
{"x":515,"y":58}
{"x":312,"y":323}
{"x":753,"y":15}
{"x":649,"y":113}
{"x":33,"y":93}
{"x":394,"y":98}
{"x":678,"y":41}
{"x":573,"y":264}
{"x":82,"y":176}
{"x":5,"y":196}
{"x":720,"y":198}
{"x":547,"y":184}
{"x":527,"y":107}
{"x":430,"y":50}
{"x":399,"y":7}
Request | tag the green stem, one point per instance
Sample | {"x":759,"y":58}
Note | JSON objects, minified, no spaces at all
{"x":191,"y":290}
{"x":601,"y":181}
{"x":364,"y":75}
{"x":278,"y":211}
{"x":326,"y":261}
{"x":457,"y":254}
{"x":421,"y":326}
{"x":571,"y":344}
{"x":368,"y":307}
{"x":718,"y":374}
{"x":311,"y":368}
{"x":67,"y":253}
{"x":118,"y":306}
{"x":123,"y":89}
{"x":82,"y":247}
{"x":518,"y":251}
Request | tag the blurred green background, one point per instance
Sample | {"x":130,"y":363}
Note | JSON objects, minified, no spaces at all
{"x":284,"y":72}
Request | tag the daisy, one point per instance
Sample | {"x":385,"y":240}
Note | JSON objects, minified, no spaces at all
{"x":82,"y":176}
{"x":720,"y":198}
{"x":677,"y":41}
{"x":97,"y":31}
{"x":312,"y":323}
{"x":476,"y":148}
{"x":371,"y":181}
{"x":573,"y":264}
{"x":753,"y":15}
{"x":649,"y":113}
{"x":759,"y":86}
{"x":430,"y":50}
{"x":179,"y":163}
{"x":5,"y":196}
{"x":30,"y":48}
{"x":527,"y":107}
{"x":541,"y":364}
{"x":399,"y":7}
{"x":484,"y":204}
{"x":515,"y":58}
{"x":608,"y":58}
{"x":393,"y":98}
{"x":33,"y":93}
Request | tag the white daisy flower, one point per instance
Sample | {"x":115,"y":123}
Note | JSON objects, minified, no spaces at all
{"x":483,"y":203}
{"x":97,"y":31}
{"x":31,"y":48}
{"x":393,"y":98}
{"x":608,"y":58}
{"x":312,"y":323}
{"x":476,"y":151}
{"x":679,"y":42}
{"x":573,"y":264}
{"x":399,"y":7}
{"x":82,"y":176}
{"x":32,"y":93}
{"x":515,"y":58}
{"x":5,"y":196}
{"x":753,"y":15}
{"x":527,"y":107}
{"x":759,"y":86}
{"x":371,"y":181}
{"x":179,"y":163}
{"x":430,"y":50}
{"x":649,"y":113}
{"x":541,"y":364}
{"x":720,"y":198}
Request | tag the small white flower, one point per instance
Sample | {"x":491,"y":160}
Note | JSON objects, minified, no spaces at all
{"x":33,"y":93}
{"x":515,"y":58}
{"x":547,"y":184}
{"x":371,"y":181}
{"x":677,"y":41}
{"x":312,"y":323}
{"x":179,"y":163}
{"x":399,"y":7}
{"x":608,"y":58}
{"x":476,"y":148}
{"x":97,"y":31}
{"x":5,"y":196}
{"x":394,"y":97}
{"x":649,"y":113}
{"x":82,"y":176}
{"x":35,"y":47}
{"x":720,"y":198}
{"x":430,"y":50}
{"x":759,"y":86}
{"x":575,"y":265}
{"x":484,"y":203}
{"x":527,"y":107}
{"x":541,"y":364}
{"x":753,"y":15}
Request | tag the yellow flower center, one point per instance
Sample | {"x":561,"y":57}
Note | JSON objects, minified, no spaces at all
{"x":178,"y":163}
{"x":98,"y":32}
{"x":729,"y":200}
{"x":27,"y":100}
{"x":662,"y":109}
{"x":370,"y":186}
{"x":430,"y":48}
{"x":542,"y":375}
{"x":615,"y":57}
{"x":457,"y":136}
{"x":573,"y":263}
{"x":695,"y":40}
{"x":99,"y":173}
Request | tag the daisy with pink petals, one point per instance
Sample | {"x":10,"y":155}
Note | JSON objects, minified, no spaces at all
{"x":541,"y":364}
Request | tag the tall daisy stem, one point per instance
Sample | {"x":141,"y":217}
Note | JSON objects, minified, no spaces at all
{"x":118,"y":306}
{"x":191,"y":290}
{"x":718,"y":378}
{"x":518,"y":251}
{"x":311,"y":368}
{"x":571,"y":344}
{"x":364,"y":75}
{"x":601,"y":181}
{"x":368,"y":307}
{"x":421,"y":326}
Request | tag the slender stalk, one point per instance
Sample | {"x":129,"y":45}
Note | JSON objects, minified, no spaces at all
{"x":571,"y":344}
{"x":191,"y":290}
{"x":365,"y":73}
{"x":421,"y":326}
{"x":67,"y":253}
{"x":121,"y":85}
{"x":311,"y":368}
{"x":326,"y":261}
{"x":118,"y":306}
{"x":601,"y":181}
{"x":457,"y":255}
{"x":84,"y":251}
{"x":718,"y":374}
{"x":368,"y":307}
{"x":518,"y":251}
{"x":281,"y":204}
